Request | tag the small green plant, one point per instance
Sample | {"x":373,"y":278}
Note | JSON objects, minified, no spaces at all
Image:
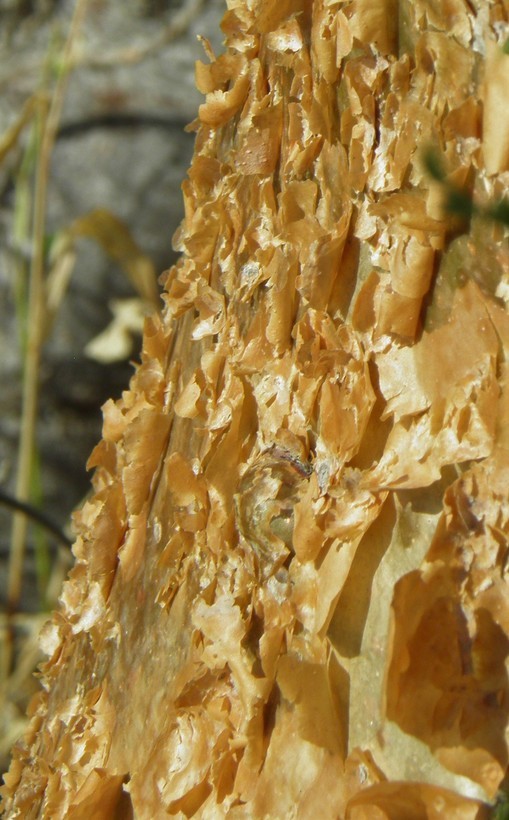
{"x":500,"y":810}
{"x":458,"y":202}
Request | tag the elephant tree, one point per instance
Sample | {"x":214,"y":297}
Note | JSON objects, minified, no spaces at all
{"x":290,"y":591}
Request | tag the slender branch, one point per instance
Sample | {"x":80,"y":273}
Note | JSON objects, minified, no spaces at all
{"x":123,"y":119}
{"x":35,"y":514}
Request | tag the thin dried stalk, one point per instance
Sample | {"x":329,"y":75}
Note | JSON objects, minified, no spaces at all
{"x":36,"y":310}
{"x":49,"y":119}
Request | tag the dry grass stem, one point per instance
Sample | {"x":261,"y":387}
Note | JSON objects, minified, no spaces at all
{"x":49,"y":118}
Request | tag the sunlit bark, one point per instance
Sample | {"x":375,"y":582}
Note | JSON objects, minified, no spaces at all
{"x":290,"y":594}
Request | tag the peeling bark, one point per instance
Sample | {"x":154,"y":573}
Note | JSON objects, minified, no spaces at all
{"x":290,"y":590}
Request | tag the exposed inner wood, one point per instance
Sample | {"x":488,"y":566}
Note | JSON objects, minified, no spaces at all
{"x":290,"y":590}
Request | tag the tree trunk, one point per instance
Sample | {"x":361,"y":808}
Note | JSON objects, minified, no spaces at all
{"x":290,"y":594}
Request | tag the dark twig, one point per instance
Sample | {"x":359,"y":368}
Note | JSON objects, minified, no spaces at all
{"x":121,"y":119}
{"x":35,"y":514}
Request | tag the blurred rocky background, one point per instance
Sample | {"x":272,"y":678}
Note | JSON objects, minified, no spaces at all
{"x":119,"y":156}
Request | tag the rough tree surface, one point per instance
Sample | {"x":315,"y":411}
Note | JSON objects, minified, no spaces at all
{"x":290,"y":596}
